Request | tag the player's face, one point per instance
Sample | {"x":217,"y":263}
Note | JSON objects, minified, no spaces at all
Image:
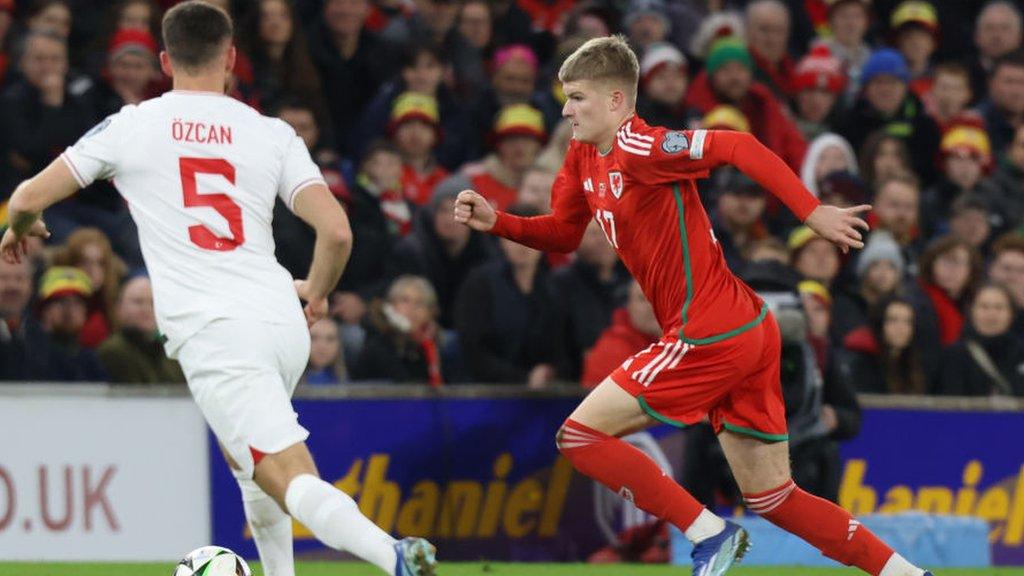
{"x":588,"y":108}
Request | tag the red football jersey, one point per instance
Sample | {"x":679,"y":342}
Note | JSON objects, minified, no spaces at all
{"x":643,"y":194}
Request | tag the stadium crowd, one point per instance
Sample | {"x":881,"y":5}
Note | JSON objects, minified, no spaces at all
{"x":916,"y":107}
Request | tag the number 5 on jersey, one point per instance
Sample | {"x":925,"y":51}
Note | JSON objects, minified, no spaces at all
{"x":606,"y":220}
{"x":201,"y":235}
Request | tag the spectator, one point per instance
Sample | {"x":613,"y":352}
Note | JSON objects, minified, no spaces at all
{"x":402,"y":336}
{"x":828,"y":153}
{"x":15,"y":293}
{"x":535,"y":191}
{"x":882,"y":357}
{"x":819,"y":82}
{"x":966,"y":157}
{"x":440,"y":249}
{"x":646,"y":23}
{"x":422,"y":71}
{"x":273,"y":40}
{"x":1003,"y":110}
{"x":767,"y":249}
{"x":813,"y":257}
{"x":633,"y":327}
{"x":727,"y":79}
{"x":588,"y":20}
{"x":89,"y":250}
{"x":134,"y":354}
{"x":817,"y":306}
{"x":843,"y":189}
{"x":987,"y":361}
{"x":970,"y":221}
{"x":737,"y":221}
{"x":518,"y":136}
{"x":137,"y":15}
{"x":725,"y":117}
{"x":476,"y":24}
{"x":504,"y":317}
{"x":586,"y":292}
{"x":950,"y":93}
{"x":848,"y":21}
{"x":6,"y":26}
{"x":353,"y":63}
{"x":380,"y":216}
{"x":50,"y":17}
{"x":949,"y":271}
{"x":886,"y":102}
{"x":883,"y":156}
{"x":768,"y":28}
{"x":514,"y":71}
{"x":915,"y":28}
{"x":293,"y":238}
{"x":415,"y":129}
{"x":896,"y":210}
{"x":326,"y":357}
{"x":51,"y":346}
{"x":1007,"y":268}
{"x":130,"y":73}
{"x":1008,"y":179}
{"x":997,"y":32}
{"x":879,"y":273}
{"x":663,"y":82}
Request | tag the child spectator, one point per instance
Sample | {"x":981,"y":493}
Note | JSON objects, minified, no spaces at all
{"x":415,"y":129}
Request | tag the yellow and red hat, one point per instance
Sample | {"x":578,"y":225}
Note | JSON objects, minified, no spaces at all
{"x":519,"y":120}
{"x":815,"y":289}
{"x":64,"y":281}
{"x":411,"y":106}
{"x":915,"y":13}
{"x":967,"y":137}
{"x":725,"y":117}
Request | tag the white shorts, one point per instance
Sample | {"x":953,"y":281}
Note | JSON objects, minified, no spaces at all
{"x":242,"y":374}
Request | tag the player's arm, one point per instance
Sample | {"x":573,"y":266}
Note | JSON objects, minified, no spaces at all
{"x":25,"y":208}
{"x":316,"y":206}
{"x":560,"y":231}
{"x":839,"y":225}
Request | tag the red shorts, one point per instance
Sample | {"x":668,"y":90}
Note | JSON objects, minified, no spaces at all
{"x":734,"y":382}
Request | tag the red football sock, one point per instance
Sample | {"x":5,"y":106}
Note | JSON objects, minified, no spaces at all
{"x":628,"y":472}
{"x":824,"y":525}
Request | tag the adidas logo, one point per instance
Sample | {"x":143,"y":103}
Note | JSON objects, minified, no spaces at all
{"x":853,"y":528}
{"x":626,"y":494}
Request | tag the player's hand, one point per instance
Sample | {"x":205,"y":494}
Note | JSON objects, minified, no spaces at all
{"x":316,"y":307}
{"x":474,"y":211}
{"x":14,"y":247}
{"x":841,"y":226}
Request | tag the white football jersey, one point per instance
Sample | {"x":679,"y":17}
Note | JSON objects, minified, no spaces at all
{"x":200,"y":172}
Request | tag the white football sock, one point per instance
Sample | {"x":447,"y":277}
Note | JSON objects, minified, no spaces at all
{"x":898,"y":566}
{"x":705,"y":526}
{"x":335,"y":519}
{"x":271,"y":529}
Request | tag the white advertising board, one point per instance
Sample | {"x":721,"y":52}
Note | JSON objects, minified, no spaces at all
{"x":102,"y":478}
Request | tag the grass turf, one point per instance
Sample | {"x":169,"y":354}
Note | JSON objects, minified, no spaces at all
{"x":461,"y":569}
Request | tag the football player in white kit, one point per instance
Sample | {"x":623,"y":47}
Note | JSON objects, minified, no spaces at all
{"x":201,"y":172}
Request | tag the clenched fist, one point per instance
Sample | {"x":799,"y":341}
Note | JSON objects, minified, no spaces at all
{"x":474,"y":211}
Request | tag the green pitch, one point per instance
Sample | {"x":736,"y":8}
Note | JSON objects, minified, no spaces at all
{"x":458,"y":569}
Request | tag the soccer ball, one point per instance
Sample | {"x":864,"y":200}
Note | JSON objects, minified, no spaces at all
{"x":212,"y":561}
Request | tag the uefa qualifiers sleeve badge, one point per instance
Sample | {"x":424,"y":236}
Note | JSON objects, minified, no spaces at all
{"x":674,"y":142}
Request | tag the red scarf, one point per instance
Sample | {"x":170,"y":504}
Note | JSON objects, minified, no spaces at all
{"x":433,"y":362}
{"x":951,"y":319}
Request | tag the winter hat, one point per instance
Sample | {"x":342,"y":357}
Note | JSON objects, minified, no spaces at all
{"x":814,"y":152}
{"x":815,"y":289}
{"x":915,"y":13}
{"x":659,"y":55}
{"x":884,"y":61}
{"x":638,"y":8}
{"x":519,"y":120}
{"x":724,"y":117}
{"x":820,"y":69}
{"x":63,"y":281}
{"x":728,"y":50}
{"x":131,"y":42}
{"x":880,"y":247}
{"x":967,"y":137}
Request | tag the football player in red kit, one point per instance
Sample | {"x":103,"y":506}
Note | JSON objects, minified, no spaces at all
{"x":719,"y":356}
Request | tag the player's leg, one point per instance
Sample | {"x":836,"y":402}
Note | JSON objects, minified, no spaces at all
{"x":589,"y":440}
{"x":762,"y":471}
{"x":271,"y":527}
{"x":751,"y":422}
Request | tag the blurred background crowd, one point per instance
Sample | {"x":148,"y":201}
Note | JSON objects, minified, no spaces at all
{"x":916,"y":107}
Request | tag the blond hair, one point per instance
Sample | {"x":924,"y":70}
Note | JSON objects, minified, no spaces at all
{"x":604,"y":59}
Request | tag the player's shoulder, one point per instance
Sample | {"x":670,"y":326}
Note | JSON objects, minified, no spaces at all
{"x":636,"y":139}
